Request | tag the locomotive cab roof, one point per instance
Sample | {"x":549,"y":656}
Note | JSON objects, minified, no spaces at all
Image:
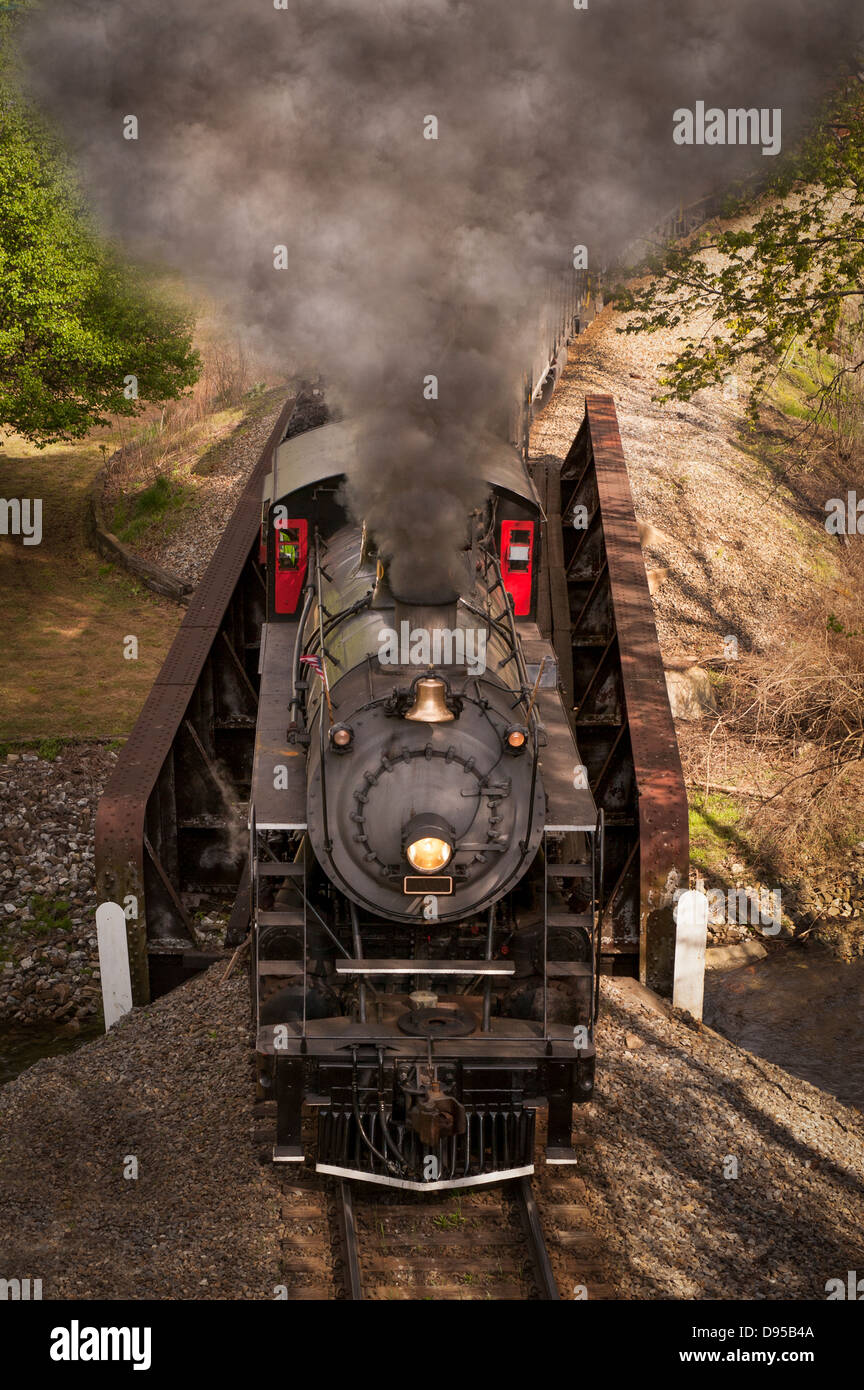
{"x":332,"y":451}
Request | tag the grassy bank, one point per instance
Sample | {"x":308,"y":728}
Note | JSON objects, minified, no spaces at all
{"x":66,"y":613}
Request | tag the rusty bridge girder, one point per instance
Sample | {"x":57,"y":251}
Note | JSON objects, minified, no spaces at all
{"x":172,"y":819}
{"x":596,"y":608}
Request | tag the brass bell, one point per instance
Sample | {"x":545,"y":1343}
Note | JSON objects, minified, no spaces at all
{"x":429,"y":705}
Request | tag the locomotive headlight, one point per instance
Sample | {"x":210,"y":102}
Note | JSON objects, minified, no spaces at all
{"x":429,"y":855}
{"x":428,"y":844}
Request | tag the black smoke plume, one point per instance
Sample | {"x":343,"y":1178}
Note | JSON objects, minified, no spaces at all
{"x":409,"y":257}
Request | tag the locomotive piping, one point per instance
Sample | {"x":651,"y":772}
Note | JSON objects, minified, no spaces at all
{"x":358,"y":953}
{"x":355,"y":1106}
{"x":328,"y":843}
{"x":298,"y":646}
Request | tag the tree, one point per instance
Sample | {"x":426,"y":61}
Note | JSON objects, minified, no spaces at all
{"x":77,"y":322}
{"x":794,"y":277}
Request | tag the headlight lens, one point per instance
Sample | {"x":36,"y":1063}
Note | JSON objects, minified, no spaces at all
{"x":516,"y":738}
{"x":429,"y":854}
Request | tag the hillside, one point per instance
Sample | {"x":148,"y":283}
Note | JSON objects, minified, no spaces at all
{"x":739,"y":542}
{"x":66,"y":613}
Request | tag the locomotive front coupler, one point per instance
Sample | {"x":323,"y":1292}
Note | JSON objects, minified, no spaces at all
{"x":434,"y":1113}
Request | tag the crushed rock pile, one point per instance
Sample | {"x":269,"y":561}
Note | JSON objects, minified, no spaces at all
{"x":172,"y":1087}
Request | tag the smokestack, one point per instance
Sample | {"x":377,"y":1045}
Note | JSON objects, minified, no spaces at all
{"x":429,"y":617}
{"x":382,"y":594}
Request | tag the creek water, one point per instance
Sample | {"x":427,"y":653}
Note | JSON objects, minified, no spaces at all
{"x":800,"y":1008}
{"x":20,"y":1048}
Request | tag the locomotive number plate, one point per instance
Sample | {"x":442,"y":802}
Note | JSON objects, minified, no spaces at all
{"x":427,"y":883}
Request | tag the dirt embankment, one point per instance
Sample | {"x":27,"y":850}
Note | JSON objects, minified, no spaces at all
{"x":69,"y":622}
{"x":171,"y":1088}
{"x":181,"y":529}
{"x":739,"y":538}
{"x":67,"y":668}
{"x":743,"y":537}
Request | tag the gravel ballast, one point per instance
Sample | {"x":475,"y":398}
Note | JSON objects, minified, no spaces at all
{"x":49,"y":971}
{"x":677,"y":1107}
{"x":172,"y":1086}
{"x":187,"y":551}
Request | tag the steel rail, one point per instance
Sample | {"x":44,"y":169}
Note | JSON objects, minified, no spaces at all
{"x":521,"y":1194}
{"x":347,"y":1223}
{"x":532,"y":1225}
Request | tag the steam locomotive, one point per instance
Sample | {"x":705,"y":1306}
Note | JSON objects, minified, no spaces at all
{"x":425,"y":851}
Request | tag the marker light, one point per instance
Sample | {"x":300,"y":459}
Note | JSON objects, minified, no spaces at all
{"x":341,"y":736}
{"x":515,"y":738}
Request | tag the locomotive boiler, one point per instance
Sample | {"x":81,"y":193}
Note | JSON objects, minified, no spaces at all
{"x":425,"y":852}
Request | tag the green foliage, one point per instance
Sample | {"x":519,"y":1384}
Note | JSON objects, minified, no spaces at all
{"x":713,"y":829}
{"x":155,"y":503}
{"x":75,"y":318}
{"x":50,"y":749}
{"x":833,"y":624}
{"x":449,"y":1221}
{"x":792,"y":279}
{"x":49,"y":915}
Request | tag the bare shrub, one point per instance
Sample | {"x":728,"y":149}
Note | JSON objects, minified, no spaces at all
{"x":801,"y":709}
{"x":229,"y":367}
{"x":843,"y":410}
{"x":149,"y":444}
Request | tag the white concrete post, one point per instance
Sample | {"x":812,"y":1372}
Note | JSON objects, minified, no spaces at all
{"x":113,"y":962}
{"x":691,"y":937}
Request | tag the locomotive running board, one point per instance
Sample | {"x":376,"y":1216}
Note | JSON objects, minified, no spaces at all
{"x":419,"y":966}
{"x":441,"y":1185}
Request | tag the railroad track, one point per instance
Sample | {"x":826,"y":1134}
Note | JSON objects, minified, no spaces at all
{"x":475,"y":1244}
{"x":519,"y":1240}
